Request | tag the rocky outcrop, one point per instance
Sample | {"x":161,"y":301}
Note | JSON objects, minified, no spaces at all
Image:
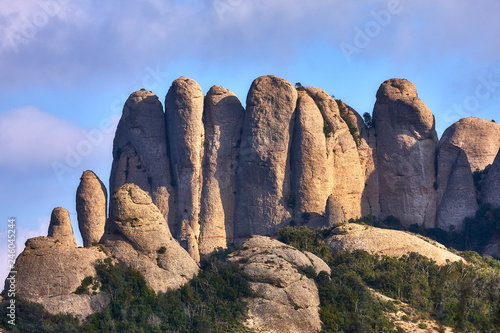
{"x":91,"y":204}
{"x":309,"y":162}
{"x":186,"y":137}
{"x":456,"y":194}
{"x":478,"y":138}
{"x":138,"y":236}
{"x":366,"y":143}
{"x":286,"y":300}
{"x":405,"y":154}
{"x":345,"y":177}
{"x":490,"y":188}
{"x":263,"y":177}
{"x":140,"y":151}
{"x":223,"y":117}
{"x":393,"y":243}
{"x":60,"y":227}
{"x":49,"y":273}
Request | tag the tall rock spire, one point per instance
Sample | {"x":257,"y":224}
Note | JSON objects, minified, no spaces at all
{"x":60,"y":227}
{"x":406,"y":153}
{"x":91,"y":200}
{"x":186,"y":137}
{"x":140,"y":151}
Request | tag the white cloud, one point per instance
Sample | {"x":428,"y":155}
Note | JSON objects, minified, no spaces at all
{"x":32,"y":138}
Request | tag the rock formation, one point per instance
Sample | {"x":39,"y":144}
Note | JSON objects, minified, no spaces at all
{"x":140,"y":151}
{"x":60,"y":227}
{"x":286,"y":300}
{"x":49,"y":272}
{"x":223,"y":117}
{"x":309,"y":161}
{"x":138,"y":236}
{"x":456,"y":194}
{"x":478,"y":138}
{"x":186,"y":137}
{"x":393,"y":243}
{"x":366,"y":144}
{"x":264,"y":194}
{"x":345,"y":176}
{"x":490,"y":189}
{"x":405,"y":154}
{"x":91,"y":202}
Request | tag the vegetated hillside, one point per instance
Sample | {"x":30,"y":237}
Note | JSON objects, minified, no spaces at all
{"x":424,"y":295}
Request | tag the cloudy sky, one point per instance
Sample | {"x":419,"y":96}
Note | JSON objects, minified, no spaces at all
{"x":67,"y":67}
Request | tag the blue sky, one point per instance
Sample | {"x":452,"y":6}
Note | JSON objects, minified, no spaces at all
{"x":67,"y":67}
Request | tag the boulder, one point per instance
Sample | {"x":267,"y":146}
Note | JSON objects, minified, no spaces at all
{"x":456,"y":194}
{"x":140,"y":151}
{"x":49,"y":273}
{"x":490,"y":188}
{"x":478,"y":138}
{"x":91,"y":204}
{"x":393,"y":243}
{"x":345,"y":177}
{"x":264,"y":194}
{"x":138,"y":236}
{"x":186,"y":137}
{"x":286,"y":300}
{"x":405,"y":154}
{"x":60,"y":227}
{"x":223,"y":123}
{"x":309,"y":161}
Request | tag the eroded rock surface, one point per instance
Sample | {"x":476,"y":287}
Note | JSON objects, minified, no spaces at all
{"x":60,"y":227}
{"x":186,"y":137}
{"x":138,"y":236}
{"x":456,"y":194}
{"x":223,"y":124}
{"x":490,"y":188}
{"x":394,"y":243}
{"x":91,"y":200}
{"x":140,"y":151}
{"x":478,"y":138}
{"x":287,"y":301}
{"x":405,"y":154}
{"x":263,"y":178}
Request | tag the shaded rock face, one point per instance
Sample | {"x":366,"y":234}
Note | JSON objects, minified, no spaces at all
{"x":263,"y":178}
{"x":91,"y":202}
{"x":140,"y":151}
{"x":394,"y":243}
{"x":60,"y":227}
{"x":366,"y":144}
{"x":223,"y":117}
{"x":286,"y":300}
{"x":345,"y":178}
{"x":49,"y":273}
{"x":478,"y":138}
{"x":405,"y":154}
{"x":309,"y":161}
{"x":456,"y":194}
{"x":186,"y":137}
{"x":490,"y":189}
{"x":138,"y":236}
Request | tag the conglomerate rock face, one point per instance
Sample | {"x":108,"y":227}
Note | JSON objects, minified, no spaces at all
{"x":91,"y":205}
{"x":478,"y":138}
{"x":406,"y":153}
{"x":140,"y":151}
{"x":286,"y":300}
{"x":490,"y":188}
{"x":208,"y":172}
{"x":263,"y":177}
